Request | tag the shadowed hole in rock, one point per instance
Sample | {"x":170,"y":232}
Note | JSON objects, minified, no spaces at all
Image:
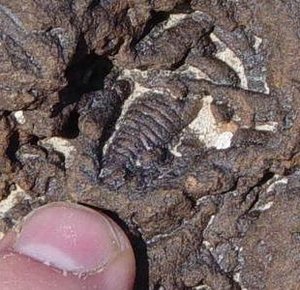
{"x":85,"y":73}
{"x":70,"y":128}
{"x":33,"y":140}
{"x":158,"y":17}
{"x":13,"y":147}
{"x":155,"y":19}
{"x":93,"y":4}
{"x":184,"y":7}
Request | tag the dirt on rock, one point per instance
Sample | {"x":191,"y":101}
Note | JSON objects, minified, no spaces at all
{"x":180,"y":119}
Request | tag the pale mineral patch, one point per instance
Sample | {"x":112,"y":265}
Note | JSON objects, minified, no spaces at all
{"x":202,"y":287}
{"x":205,"y":127}
{"x":211,"y":220}
{"x":223,"y":141}
{"x":174,"y":149}
{"x":159,"y":237}
{"x":271,"y":127}
{"x":208,"y":246}
{"x":237,"y":278}
{"x":194,"y":73}
{"x":133,"y":73}
{"x":228,"y":56}
{"x":174,"y":20}
{"x":16,"y":196}
{"x":62,"y":146}
{"x":272,"y":186}
{"x":20,"y":118}
{"x":267,"y":88}
{"x":257,"y":42}
{"x":264,"y":207}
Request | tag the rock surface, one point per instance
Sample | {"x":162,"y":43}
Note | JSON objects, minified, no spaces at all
{"x":180,"y":118}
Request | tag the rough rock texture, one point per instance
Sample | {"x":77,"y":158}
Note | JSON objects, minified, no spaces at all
{"x":181,"y":119}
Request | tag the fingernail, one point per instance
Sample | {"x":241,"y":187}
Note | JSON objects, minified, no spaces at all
{"x":71,"y":237}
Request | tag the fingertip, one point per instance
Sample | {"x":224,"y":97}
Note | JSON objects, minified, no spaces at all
{"x":88,"y":246}
{"x":70,"y":237}
{"x":118,"y":275}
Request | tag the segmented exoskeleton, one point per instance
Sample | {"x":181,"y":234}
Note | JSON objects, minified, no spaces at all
{"x":144,"y":131}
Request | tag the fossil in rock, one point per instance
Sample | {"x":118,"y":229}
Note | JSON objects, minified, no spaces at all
{"x":142,"y":133}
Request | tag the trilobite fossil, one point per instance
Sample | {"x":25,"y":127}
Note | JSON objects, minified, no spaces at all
{"x":143,"y":132}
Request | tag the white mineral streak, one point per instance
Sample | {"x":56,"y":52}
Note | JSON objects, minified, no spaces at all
{"x":228,"y":56}
{"x":237,"y":278}
{"x":174,"y":150}
{"x":211,"y":220}
{"x":202,"y":287}
{"x":194,"y":73}
{"x":158,"y":237}
{"x":237,"y":275}
{"x":208,"y":246}
{"x":264,"y":207}
{"x":62,"y":146}
{"x":263,"y":204}
{"x":277,"y":181}
{"x":174,"y":20}
{"x":270,"y":126}
{"x":15,"y":196}
{"x":267,"y":88}
{"x":205,"y":127}
{"x":19,"y":116}
{"x":135,"y":75}
{"x":257,"y":42}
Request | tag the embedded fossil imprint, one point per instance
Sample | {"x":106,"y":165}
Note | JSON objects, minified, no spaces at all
{"x":186,"y":63}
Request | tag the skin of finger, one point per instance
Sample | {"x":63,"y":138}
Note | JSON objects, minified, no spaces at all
{"x":19,"y":272}
{"x":119,"y":275}
{"x":7,"y":241}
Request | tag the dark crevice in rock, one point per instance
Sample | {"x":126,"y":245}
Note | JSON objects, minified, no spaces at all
{"x":266,"y":177}
{"x":142,"y":264}
{"x":177,"y":65}
{"x":184,"y":7}
{"x":13,"y":147}
{"x":85,"y":73}
{"x":70,"y":128}
{"x":33,"y":139}
{"x":157,"y":286}
{"x":93,"y":4}
{"x":155,"y":19}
